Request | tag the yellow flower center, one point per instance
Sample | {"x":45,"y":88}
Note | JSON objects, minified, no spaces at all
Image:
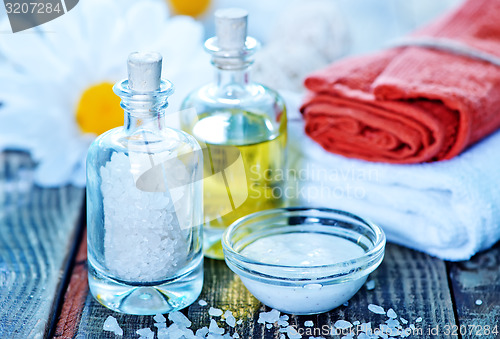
{"x":189,"y":7}
{"x":99,"y":109}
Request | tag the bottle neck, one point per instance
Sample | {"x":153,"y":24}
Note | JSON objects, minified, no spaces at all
{"x":232,"y":79}
{"x":138,"y":121}
{"x":144,"y":111}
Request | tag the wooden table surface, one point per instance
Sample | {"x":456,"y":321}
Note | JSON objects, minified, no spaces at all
{"x":44,"y":290}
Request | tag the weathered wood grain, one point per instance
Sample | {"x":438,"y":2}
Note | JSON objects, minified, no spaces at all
{"x":477,"y":280}
{"x":75,"y":296}
{"x":413,"y":284}
{"x":37,"y":229}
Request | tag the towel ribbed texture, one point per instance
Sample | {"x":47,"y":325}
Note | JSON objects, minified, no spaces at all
{"x":412,"y":104}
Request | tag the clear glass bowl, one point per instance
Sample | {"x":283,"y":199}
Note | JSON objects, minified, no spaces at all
{"x":304,"y":289}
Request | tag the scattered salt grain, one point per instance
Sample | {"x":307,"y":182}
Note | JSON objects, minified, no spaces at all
{"x":160,"y":325}
{"x":376,"y":309}
{"x":159,"y":318}
{"x":269,"y":326}
{"x":418,"y":320}
{"x":179,"y":319}
{"x":163,"y":333}
{"x":404,"y":321}
{"x":342,"y":324}
{"x":479,"y":302}
{"x":292,"y":333}
{"x":202,"y":302}
{"x":391,"y":313}
{"x":283,"y":323}
{"x":236,"y":335}
{"x":366,"y":327}
{"x":239,"y":322}
{"x":269,"y":317}
{"x":111,"y":325}
{"x":215,"y":312}
{"x":355,"y":323}
{"x":370,"y":285}
{"x":309,"y":323}
{"x":202,"y":332}
{"x":145,"y":333}
{"x":214,"y":328}
{"x":231,"y":320}
{"x":392,"y":322}
{"x":282,"y":336}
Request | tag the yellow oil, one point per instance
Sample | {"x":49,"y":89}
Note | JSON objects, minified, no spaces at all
{"x":244,"y":157}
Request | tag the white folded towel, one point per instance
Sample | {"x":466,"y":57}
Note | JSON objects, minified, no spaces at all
{"x":449,"y":209}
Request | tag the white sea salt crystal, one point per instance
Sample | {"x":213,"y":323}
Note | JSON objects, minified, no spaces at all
{"x":215,"y":312}
{"x":202,"y":302}
{"x":163,"y":333}
{"x":231,"y":320}
{"x":292,"y":333}
{"x":283,"y":329}
{"x":370,"y":285}
{"x":269,"y":326}
{"x":342,"y":324}
{"x":355,"y":323}
{"x":202,"y":332}
{"x":160,"y":325}
{"x":282,"y":336}
{"x":236,"y":335}
{"x":111,"y":325}
{"x":179,"y":318}
{"x":283,"y":323}
{"x":392,"y":322}
{"x":376,"y":309}
{"x":145,"y":333}
{"x":405,"y":333}
{"x":175,"y":331}
{"x":239,"y":322}
{"x":479,"y":302}
{"x":150,"y":236}
{"x":366,"y":327}
{"x":403,"y":320}
{"x":269,"y":317}
{"x":214,"y":336}
{"x":418,"y":320}
{"x":308,"y":323}
{"x":159,"y":318}
{"x":391,"y":313}
{"x":213,"y":328}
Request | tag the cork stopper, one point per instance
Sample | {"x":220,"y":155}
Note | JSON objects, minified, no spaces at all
{"x":231,"y":28}
{"x":144,"y":71}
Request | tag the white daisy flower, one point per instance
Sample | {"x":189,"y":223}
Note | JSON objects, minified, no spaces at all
{"x":56,"y":80}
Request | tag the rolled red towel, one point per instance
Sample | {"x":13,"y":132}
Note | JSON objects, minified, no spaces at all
{"x":418,"y":103}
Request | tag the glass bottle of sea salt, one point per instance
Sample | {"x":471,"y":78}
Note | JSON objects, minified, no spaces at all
{"x":144,"y":202}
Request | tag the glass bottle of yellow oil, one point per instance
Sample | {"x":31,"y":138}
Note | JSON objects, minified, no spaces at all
{"x":241,"y":126}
